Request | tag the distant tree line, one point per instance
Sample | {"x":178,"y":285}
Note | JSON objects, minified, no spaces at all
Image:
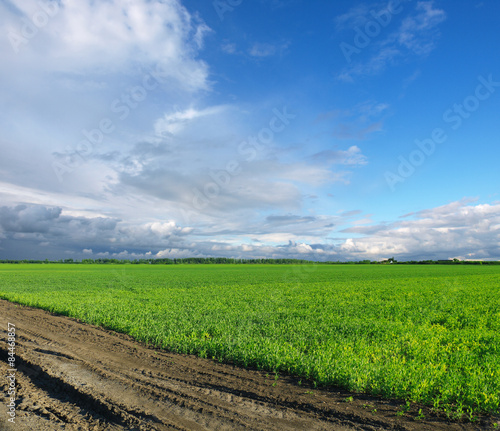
{"x":165,"y":261}
{"x":226,"y":260}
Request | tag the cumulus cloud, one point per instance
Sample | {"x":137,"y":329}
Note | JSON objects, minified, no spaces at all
{"x":41,"y":225}
{"x":49,"y":221}
{"x":157,"y":175}
{"x":91,"y":62}
{"x":181,"y":174}
{"x":153,"y":234}
{"x":28,"y":219}
{"x":457,"y":230}
{"x":204,"y":163}
{"x":110,"y":37}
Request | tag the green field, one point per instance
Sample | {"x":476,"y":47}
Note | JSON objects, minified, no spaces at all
{"x":424,"y":333}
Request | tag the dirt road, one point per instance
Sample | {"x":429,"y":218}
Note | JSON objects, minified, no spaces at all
{"x":73,"y":376}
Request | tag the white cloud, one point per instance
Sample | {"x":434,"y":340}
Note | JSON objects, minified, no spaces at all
{"x":229,"y":48}
{"x":78,"y":70}
{"x":167,"y":229}
{"x":176,"y":122}
{"x":458,"y":228}
{"x":133,"y":194}
{"x":262,"y":50}
{"x":177,"y":253}
{"x":112,"y":37}
{"x":351,"y":156}
{"x":267,"y":49}
{"x":418,"y":33}
{"x":354,"y":17}
{"x":416,"y":37}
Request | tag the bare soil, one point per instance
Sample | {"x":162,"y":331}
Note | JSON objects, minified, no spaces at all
{"x":74,"y":376}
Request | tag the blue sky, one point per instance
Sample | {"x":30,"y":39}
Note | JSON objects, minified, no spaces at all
{"x":318,"y":130}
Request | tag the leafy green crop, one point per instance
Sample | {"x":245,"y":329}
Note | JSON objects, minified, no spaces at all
{"x":421,"y":333}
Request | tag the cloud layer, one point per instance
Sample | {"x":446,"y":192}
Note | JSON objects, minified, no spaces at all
{"x":133,"y":129}
{"x":460,"y":229}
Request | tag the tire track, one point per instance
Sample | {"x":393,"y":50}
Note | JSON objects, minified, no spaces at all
{"x":76,"y":376}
